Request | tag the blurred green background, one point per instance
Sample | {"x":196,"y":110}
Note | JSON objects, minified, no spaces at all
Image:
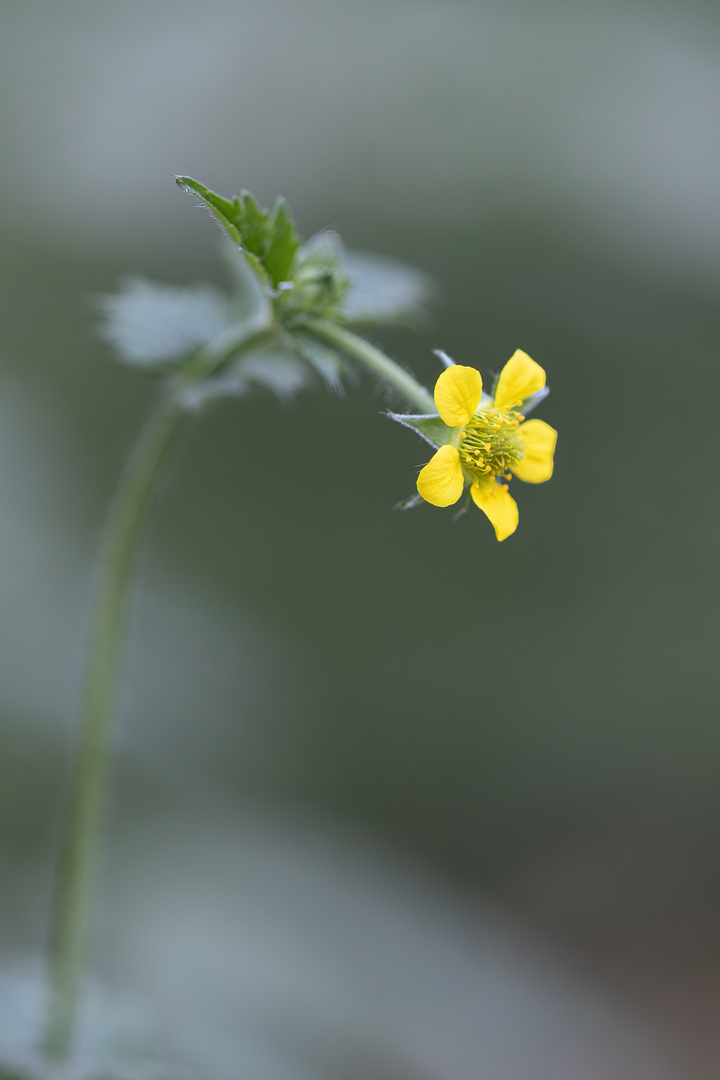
{"x":534,"y":722}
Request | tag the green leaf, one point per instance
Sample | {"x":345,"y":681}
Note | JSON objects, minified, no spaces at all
{"x":227,"y":213}
{"x":283,"y":244}
{"x":431,"y":428}
{"x":269,"y":241}
{"x":254,"y":225}
{"x":154,"y":326}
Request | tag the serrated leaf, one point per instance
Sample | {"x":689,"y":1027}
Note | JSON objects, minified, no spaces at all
{"x":154,"y":326}
{"x":283,"y":244}
{"x":225,"y":211}
{"x":383,"y":290}
{"x":431,"y":428}
{"x":269,"y":241}
{"x":255,"y":226}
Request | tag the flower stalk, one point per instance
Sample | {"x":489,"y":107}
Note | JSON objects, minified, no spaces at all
{"x":76,"y":880}
{"x":371,"y":357}
{"x":77,"y":867}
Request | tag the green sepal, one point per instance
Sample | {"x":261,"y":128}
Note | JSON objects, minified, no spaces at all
{"x":430,"y":428}
{"x":534,"y":399}
{"x":319,"y":281}
{"x":410,"y":503}
{"x":464,"y":506}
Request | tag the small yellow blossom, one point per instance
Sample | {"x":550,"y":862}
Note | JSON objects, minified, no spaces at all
{"x":488,"y":441}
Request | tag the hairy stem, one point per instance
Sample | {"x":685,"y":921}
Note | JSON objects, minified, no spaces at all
{"x":76,"y":875}
{"x":375,"y":360}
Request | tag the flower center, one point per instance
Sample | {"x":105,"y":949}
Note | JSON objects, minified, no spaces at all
{"x":490,"y":444}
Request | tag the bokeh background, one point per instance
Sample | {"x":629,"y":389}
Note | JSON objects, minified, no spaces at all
{"x":391,"y":799}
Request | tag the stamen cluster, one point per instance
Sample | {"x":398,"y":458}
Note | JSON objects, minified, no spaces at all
{"x":490,"y":444}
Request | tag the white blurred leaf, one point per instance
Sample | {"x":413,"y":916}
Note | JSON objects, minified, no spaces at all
{"x":384,"y":290}
{"x":324,"y":246}
{"x":277,"y":369}
{"x":272,"y":367}
{"x":153,"y":325}
{"x":327,"y":362}
{"x":114,"y":1037}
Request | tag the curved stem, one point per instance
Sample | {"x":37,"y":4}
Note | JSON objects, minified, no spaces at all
{"x":373,"y":358}
{"x":75,"y":883}
{"x":76,"y":877}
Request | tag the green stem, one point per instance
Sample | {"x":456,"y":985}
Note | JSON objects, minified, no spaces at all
{"x":76,"y":879}
{"x":75,"y":884}
{"x":374,"y":359}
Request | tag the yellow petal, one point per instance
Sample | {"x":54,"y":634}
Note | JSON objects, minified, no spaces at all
{"x":496,"y":501}
{"x":539,"y":439}
{"x":441,"y":481}
{"x":457,"y":394}
{"x":520,"y":378}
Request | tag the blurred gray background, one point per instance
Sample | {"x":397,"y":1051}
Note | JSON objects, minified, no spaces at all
{"x":318,"y":691}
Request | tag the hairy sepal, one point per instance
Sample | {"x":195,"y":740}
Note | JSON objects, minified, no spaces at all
{"x":430,"y":428}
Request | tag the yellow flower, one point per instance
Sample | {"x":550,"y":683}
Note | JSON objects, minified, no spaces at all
{"x":487,"y":441}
